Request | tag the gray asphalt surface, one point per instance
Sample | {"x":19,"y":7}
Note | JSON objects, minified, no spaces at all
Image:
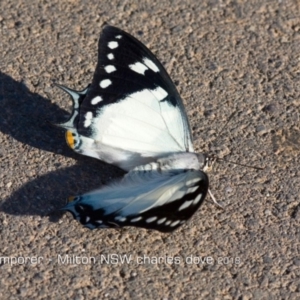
{"x":225,"y":57}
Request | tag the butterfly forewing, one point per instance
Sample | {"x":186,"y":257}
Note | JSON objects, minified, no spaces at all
{"x":131,"y":102}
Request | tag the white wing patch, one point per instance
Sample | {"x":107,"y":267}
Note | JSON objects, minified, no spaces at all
{"x":197,"y":199}
{"x":147,"y":64}
{"x":110,"y":56}
{"x":113,"y":45}
{"x":162,"y":220}
{"x":96,"y":100}
{"x":110,"y":69}
{"x":173,"y":121}
{"x":105,"y":83}
{"x":138,"y":68}
{"x":150,"y":64}
{"x":141,"y":123}
{"x":120,"y":219}
{"x":136,"y":219}
{"x":185,"y":205}
{"x":150,"y":220}
{"x":88,"y":119}
{"x":175,"y":223}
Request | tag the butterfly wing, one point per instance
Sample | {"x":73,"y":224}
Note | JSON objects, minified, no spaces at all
{"x":148,"y":199}
{"x":132,"y":112}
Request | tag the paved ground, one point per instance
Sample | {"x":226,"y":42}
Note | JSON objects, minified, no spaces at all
{"x":225,"y":57}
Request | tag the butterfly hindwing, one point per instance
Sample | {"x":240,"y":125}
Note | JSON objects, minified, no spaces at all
{"x":132,"y":111}
{"x":152,"y":200}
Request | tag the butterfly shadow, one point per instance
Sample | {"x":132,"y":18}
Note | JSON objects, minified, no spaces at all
{"x":26,"y":117}
{"x":46,"y":194}
{"x":23,"y":116}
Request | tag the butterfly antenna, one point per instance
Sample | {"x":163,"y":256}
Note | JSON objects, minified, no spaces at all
{"x":222,"y":130}
{"x":243,"y":165}
{"x":231,"y":162}
{"x":214,"y":199}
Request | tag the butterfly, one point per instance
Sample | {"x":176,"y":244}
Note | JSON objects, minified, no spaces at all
{"x":132,"y":116}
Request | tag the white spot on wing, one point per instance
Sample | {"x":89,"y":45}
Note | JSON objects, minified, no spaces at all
{"x":98,"y":222}
{"x":105,"y":83}
{"x":168,"y":222}
{"x":138,"y":68}
{"x":197,"y":199}
{"x":190,"y":182}
{"x":96,"y":100}
{"x":118,"y":37}
{"x":88,"y":119}
{"x":120,"y":218}
{"x":150,"y":64}
{"x":193,"y":189}
{"x":160,"y":221}
{"x":87,"y":219}
{"x":136,"y":219}
{"x":110,"y":68}
{"x":152,"y":219}
{"x":175,"y":223}
{"x":113,"y":45}
{"x":110,"y":56}
{"x":185,"y":205}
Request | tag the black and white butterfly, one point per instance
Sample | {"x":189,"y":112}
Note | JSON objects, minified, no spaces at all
{"x":133,"y":117}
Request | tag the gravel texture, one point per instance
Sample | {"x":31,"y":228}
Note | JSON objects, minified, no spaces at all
{"x":226,"y":57}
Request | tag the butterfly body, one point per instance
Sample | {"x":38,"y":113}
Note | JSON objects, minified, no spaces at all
{"x":133,"y":117}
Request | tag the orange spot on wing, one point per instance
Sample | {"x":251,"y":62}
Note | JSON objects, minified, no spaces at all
{"x":71,"y":199}
{"x":70,"y":139}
